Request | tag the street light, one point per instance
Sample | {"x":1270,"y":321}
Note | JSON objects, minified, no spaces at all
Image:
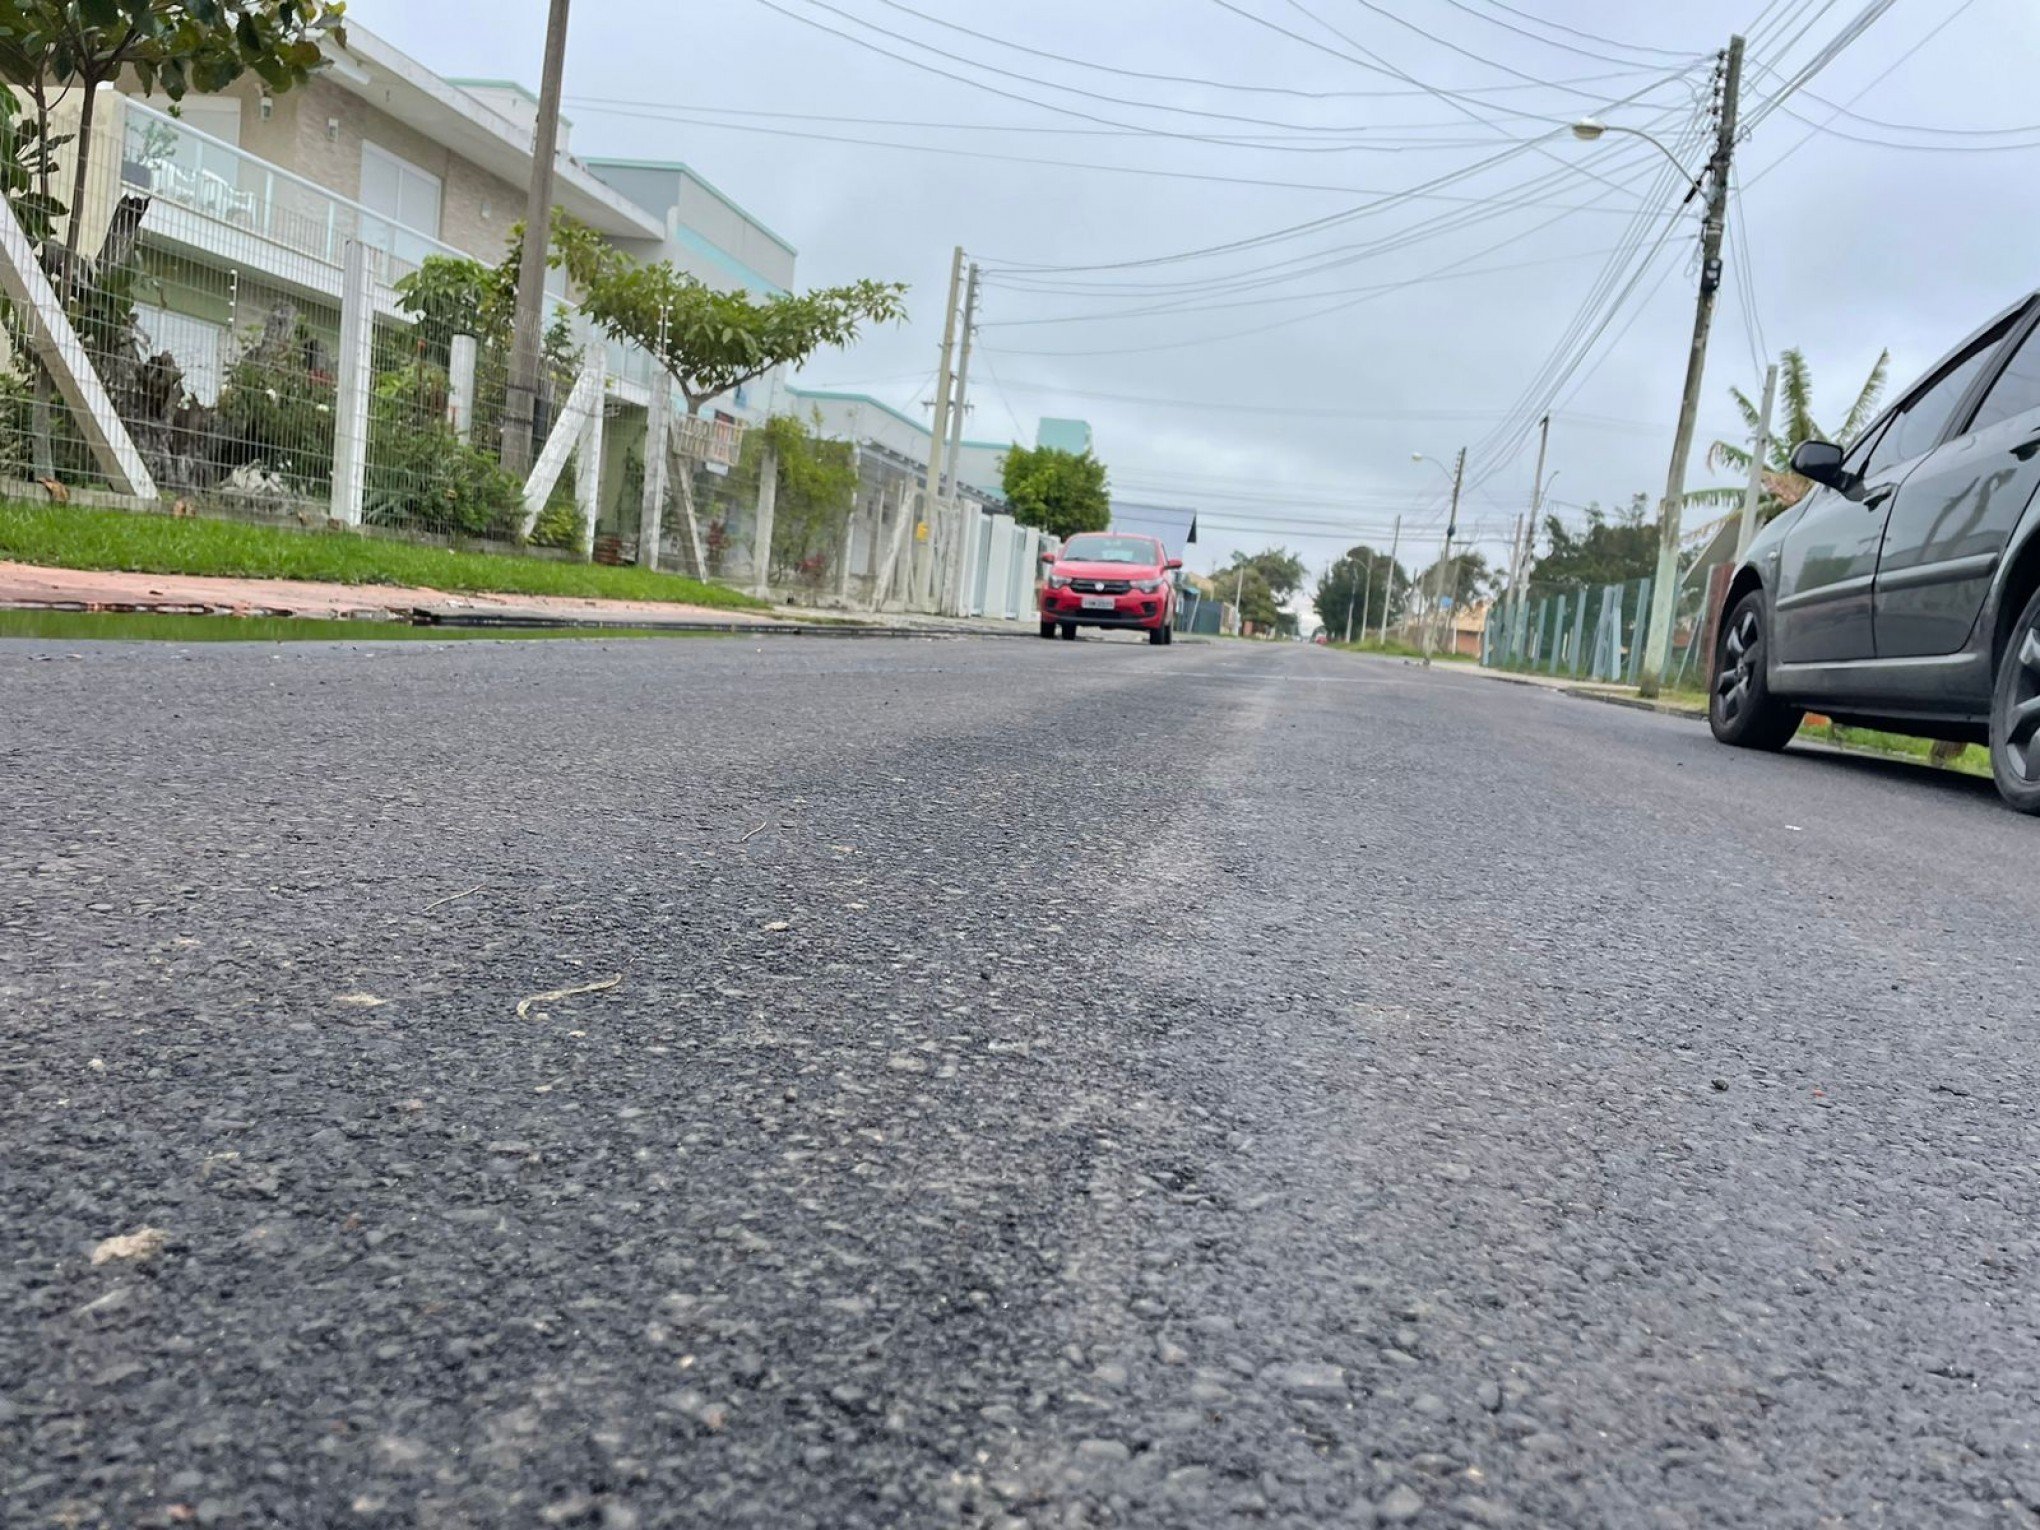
{"x":1664,"y":591}
{"x":1589,"y":130}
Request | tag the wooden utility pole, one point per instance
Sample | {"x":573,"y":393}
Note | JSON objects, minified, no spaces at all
{"x":528,"y":327}
{"x":1664,"y":599}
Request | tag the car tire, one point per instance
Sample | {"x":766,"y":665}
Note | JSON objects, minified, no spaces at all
{"x":1069,"y":632}
{"x":1048,"y":629}
{"x":1168,"y":633}
{"x":1157,"y":636}
{"x":2015,"y":714}
{"x":1741,"y":710}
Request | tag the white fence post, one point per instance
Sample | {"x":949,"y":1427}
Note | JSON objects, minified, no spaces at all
{"x":352,"y":382}
{"x":561,"y":441}
{"x":761,"y":526}
{"x":63,"y":355}
{"x":654,"y":508}
{"x":588,"y":461}
{"x":460,"y":387}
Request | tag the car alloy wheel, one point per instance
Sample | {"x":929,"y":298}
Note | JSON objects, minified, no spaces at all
{"x":1741,"y":652}
{"x":1742,"y":712}
{"x":2015,"y":715}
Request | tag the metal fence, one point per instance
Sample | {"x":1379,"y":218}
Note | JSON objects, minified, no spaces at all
{"x":1595,"y":632}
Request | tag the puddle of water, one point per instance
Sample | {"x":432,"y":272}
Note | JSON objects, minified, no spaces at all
{"x":159,"y":627}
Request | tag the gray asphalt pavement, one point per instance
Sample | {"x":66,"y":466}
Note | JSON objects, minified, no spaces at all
{"x":1043,"y":1084}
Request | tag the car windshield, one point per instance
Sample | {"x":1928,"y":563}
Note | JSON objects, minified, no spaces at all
{"x":1100,"y":549}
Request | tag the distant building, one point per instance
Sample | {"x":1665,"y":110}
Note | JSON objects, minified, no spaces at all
{"x":1064,"y":435}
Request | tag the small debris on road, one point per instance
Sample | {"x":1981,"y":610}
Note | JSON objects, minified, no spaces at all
{"x":524,"y":1004}
{"x":142,"y":1243}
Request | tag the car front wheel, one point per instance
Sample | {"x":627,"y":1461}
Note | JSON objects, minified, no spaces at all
{"x":1742,"y":711}
{"x":1047,"y":628}
{"x":2015,"y":714}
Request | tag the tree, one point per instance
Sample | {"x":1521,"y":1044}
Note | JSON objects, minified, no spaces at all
{"x":816,"y":494}
{"x":1466,"y":578}
{"x":1364,"y":582}
{"x":712,"y":342}
{"x":1260,"y":584}
{"x":1061,"y":493}
{"x":175,"y":46}
{"x":1781,"y":487}
{"x":1607,"y":551}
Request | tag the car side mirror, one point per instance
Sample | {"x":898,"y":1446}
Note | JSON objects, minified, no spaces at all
{"x":1173,"y":563}
{"x":1047,"y":556}
{"x":1821,"y":462}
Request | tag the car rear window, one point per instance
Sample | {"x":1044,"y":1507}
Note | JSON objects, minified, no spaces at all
{"x":1108,"y":549}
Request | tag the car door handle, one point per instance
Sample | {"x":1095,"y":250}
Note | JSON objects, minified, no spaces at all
{"x":1876,"y":497}
{"x":2026,"y":449}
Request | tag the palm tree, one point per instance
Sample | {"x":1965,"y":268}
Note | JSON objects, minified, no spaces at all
{"x":1783,"y":488}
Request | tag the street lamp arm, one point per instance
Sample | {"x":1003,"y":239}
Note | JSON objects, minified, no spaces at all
{"x":1587,"y":130}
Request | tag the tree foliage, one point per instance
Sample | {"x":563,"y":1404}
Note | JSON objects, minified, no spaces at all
{"x":1061,"y":493}
{"x":49,"y":47}
{"x":711,"y":341}
{"x":1261,"y":584}
{"x":1364,"y":582}
{"x":1781,"y":487}
{"x":1608,"y":550}
{"x":817,"y":491}
{"x":1466,"y":577}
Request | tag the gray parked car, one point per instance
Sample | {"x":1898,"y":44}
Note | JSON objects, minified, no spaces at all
{"x":1903,"y":592}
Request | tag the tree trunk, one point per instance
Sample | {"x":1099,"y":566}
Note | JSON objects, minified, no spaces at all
{"x":86,"y":110}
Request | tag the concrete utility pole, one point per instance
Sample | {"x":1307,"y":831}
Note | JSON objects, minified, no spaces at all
{"x":1238,"y":593}
{"x":1536,"y":510}
{"x":1388,"y":590}
{"x":521,"y":406}
{"x":962,"y":549}
{"x":1758,"y":450}
{"x":1664,"y":600}
{"x":939,"y":431}
{"x":1445,"y":558}
{"x":1366,"y":600}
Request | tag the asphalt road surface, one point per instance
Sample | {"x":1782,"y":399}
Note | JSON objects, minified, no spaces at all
{"x":1037,"y":1084}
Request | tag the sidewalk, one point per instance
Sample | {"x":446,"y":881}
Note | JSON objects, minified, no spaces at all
{"x":30,"y":587}
{"x":1592,"y":690}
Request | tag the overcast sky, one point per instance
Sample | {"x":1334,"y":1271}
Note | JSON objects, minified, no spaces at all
{"x":1289,"y":380}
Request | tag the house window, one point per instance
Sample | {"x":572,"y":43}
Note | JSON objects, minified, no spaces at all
{"x":406,"y":200}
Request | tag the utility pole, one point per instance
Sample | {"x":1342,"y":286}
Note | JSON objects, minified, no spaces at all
{"x":1445,"y":558}
{"x":953,"y":461}
{"x":1238,"y":593}
{"x":1664,"y":590}
{"x":1388,"y":590}
{"x":1759,"y":449}
{"x":1536,"y":509}
{"x":931,"y":501}
{"x":1366,"y":600}
{"x":521,"y":404}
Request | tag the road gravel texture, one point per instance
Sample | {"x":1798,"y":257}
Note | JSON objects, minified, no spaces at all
{"x":1045,"y":1085}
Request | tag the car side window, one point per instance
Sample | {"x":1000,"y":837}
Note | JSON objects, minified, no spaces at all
{"x":2017,"y":390}
{"x":1918,"y":426}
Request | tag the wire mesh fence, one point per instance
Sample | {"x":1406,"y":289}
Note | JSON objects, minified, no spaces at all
{"x":1596,"y":632}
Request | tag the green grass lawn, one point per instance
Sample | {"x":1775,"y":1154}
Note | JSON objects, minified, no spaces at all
{"x":1396,"y":650}
{"x":68,"y":536}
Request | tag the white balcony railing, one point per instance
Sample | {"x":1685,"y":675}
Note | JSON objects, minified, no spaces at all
{"x":184,"y":168}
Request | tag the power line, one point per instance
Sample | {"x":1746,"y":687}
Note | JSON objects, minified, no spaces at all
{"x":1202,"y":83}
{"x":1939,"y":27}
{"x":1301,"y":129}
{"x":1607,"y":42}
